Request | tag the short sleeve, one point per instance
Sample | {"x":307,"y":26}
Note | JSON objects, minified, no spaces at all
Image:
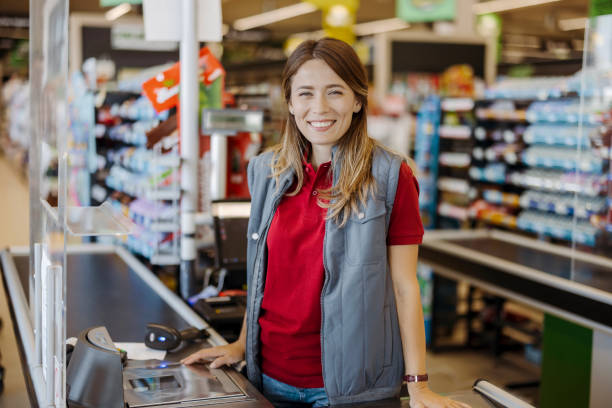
{"x":405,"y":226}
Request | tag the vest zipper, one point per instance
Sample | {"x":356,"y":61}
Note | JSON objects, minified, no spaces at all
{"x":325,"y":280}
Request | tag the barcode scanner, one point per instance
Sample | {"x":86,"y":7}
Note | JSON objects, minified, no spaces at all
{"x":161,"y":337}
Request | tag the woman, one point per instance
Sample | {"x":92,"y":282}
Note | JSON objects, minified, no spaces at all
{"x":332,"y":252}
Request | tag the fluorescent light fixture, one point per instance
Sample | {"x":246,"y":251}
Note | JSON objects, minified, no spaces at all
{"x":496,"y":6}
{"x":274,"y":16}
{"x":118,"y":11}
{"x":380,"y":26}
{"x":570,"y":24}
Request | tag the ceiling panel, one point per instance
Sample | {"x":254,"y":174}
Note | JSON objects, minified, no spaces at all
{"x":538,"y":20}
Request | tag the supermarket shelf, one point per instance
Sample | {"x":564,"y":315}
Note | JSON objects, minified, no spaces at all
{"x":454,"y":185}
{"x":557,"y":226}
{"x":501,"y":115}
{"x":499,"y":198}
{"x":560,"y":182}
{"x":554,"y":135}
{"x":458,"y":160}
{"x":497,"y":218}
{"x":563,"y":204}
{"x":457,"y":104}
{"x":561,"y":158}
{"x":453,"y":211}
{"x":460,"y":132}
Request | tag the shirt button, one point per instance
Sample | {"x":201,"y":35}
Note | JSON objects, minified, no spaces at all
{"x":255,"y":236}
{"x":361,"y":216}
{"x":315,"y":193}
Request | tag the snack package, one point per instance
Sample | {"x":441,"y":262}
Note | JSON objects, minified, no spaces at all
{"x":162,"y":90}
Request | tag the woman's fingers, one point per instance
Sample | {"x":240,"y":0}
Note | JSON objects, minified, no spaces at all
{"x":204,"y":354}
{"x":219,"y":362}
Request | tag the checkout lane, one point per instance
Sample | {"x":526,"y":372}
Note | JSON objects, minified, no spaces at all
{"x":572,"y":288}
{"x":108,"y":287}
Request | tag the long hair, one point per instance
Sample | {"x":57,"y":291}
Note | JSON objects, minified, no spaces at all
{"x":354,"y":149}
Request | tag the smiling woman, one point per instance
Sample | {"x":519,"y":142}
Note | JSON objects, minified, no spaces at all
{"x":334,"y":313}
{"x":325,"y":87}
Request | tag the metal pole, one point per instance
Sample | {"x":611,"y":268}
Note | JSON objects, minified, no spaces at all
{"x":218,"y":167}
{"x":190,"y":146}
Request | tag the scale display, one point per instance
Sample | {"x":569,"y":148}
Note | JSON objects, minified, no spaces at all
{"x":229,"y":121}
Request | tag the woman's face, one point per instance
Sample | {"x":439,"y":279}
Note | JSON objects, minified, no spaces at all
{"x":321,"y":103}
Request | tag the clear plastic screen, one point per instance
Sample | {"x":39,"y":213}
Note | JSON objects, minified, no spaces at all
{"x":592,"y":217}
{"x":60,"y":155}
{"x":48,"y":167}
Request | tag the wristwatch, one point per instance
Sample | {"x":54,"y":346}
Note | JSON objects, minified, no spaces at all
{"x":416,"y":378}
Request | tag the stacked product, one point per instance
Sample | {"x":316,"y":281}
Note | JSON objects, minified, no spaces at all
{"x":455,"y":132}
{"x":567,"y":176}
{"x":539,"y":165}
{"x":497,"y":146}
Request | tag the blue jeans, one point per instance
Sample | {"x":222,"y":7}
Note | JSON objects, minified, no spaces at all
{"x":284,"y":395}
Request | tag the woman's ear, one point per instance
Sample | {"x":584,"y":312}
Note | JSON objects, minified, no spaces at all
{"x":357,"y":107}
{"x":290,"y":108}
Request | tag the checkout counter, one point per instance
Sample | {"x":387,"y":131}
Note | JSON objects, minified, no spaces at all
{"x":107,"y":286}
{"x":573,"y":288}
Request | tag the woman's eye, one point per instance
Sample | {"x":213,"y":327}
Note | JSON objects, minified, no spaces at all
{"x":304,"y":94}
{"x":335,"y":92}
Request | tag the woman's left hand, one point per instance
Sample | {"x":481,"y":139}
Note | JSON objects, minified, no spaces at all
{"x":422,"y":397}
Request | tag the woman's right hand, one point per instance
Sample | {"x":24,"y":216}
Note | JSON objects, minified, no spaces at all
{"x":221,"y":355}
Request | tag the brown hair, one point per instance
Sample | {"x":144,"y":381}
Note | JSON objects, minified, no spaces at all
{"x":355,"y":148}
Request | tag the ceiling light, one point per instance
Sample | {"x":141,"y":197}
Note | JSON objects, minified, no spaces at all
{"x":380,"y":26}
{"x":339,"y":16}
{"x":570,"y":24}
{"x":497,"y":6}
{"x":274,"y":16}
{"x":117,"y":11}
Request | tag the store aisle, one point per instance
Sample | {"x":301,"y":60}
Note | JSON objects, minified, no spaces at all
{"x":14,"y":206}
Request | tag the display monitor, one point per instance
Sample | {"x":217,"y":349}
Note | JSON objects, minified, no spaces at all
{"x":230,"y":220}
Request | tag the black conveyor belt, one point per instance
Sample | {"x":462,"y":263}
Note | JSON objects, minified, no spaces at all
{"x":585,"y":295}
{"x":94,"y":298}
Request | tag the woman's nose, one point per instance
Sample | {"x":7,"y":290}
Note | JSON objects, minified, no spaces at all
{"x":320,"y":104}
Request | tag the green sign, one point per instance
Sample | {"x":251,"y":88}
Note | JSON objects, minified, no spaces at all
{"x":425,"y":10}
{"x":110,"y":3}
{"x":600,"y":8}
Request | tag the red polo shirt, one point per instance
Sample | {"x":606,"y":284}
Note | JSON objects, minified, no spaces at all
{"x":290,"y":318}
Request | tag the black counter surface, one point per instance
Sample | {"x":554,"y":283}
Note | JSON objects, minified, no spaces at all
{"x":586,"y":273}
{"x":93,"y":298}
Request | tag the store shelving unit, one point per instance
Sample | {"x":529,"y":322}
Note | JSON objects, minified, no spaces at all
{"x":497,"y":147}
{"x":454,"y":190}
{"x":140,"y":177}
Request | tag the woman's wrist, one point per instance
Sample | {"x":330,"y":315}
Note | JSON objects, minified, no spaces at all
{"x":416,"y":387}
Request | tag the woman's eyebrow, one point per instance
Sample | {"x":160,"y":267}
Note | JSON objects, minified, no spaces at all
{"x":308,"y":87}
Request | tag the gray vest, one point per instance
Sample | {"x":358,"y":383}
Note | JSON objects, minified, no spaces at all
{"x":360,"y":339}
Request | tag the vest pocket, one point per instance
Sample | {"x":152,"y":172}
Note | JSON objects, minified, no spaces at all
{"x":366,"y":235}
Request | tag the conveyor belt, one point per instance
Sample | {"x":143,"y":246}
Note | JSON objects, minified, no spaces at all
{"x":526,"y":270}
{"x":94,"y":301}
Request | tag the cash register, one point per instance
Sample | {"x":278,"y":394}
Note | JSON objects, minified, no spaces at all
{"x":230,"y":222}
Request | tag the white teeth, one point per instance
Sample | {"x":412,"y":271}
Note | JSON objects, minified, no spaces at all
{"x":321,"y":124}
